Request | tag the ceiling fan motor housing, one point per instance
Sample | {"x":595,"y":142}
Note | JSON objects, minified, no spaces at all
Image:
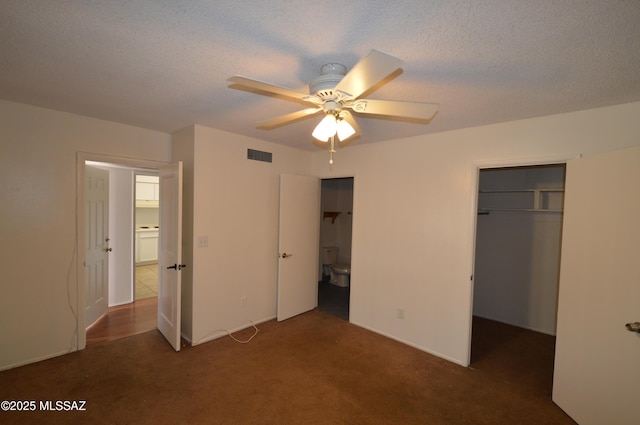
{"x":330,"y":75}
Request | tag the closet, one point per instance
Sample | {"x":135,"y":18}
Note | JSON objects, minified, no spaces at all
{"x":518,"y":236}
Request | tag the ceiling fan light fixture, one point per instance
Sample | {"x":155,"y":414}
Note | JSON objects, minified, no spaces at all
{"x":344,"y":130}
{"x":326,"y":128}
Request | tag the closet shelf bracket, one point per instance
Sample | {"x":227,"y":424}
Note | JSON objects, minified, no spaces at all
{"x":331,"y":214}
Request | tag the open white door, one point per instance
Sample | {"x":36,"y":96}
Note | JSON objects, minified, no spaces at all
{"x":597,"y":378}
{"x":96,"y":267}
{"x":299,"y":234}
{"x":170,"y":253}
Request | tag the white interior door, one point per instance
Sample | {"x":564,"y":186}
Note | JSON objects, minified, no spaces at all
{"x":299,"y":234}
{"x":170,"y":253}
{"x":597,"y":376}
{"x":96,"y":267}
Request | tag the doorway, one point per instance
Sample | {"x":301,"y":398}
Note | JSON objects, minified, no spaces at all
{"x":125,"y":315}
{"x":336,"y":223}
{"x":147,"y":232}
{"x":517,"y":254}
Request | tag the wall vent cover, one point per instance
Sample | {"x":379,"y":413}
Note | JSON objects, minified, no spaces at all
{"x":259,"y":155}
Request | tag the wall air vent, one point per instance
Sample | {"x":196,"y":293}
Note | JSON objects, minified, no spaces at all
{"x":259,"y":155}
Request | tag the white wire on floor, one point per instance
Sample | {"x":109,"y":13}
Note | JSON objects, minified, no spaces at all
{"x":256,"y":330}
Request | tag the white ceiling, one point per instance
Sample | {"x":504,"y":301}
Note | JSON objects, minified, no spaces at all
{"x":164,"y":65}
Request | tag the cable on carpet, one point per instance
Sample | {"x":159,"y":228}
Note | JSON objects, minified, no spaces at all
{"x":255,"y":332}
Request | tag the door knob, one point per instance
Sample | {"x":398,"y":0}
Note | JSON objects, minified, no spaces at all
{"x":108,"y":249}
{"x":633,"y":327}
{"x":285,"y":255}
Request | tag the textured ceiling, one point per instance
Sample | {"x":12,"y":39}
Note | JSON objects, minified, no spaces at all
{"x":164,"y":65}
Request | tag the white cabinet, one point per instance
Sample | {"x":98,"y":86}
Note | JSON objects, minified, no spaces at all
{"x":147,"y":246}
{"x":147,"y":191}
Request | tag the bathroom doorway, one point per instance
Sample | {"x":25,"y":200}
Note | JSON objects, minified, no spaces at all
{"x":334,"y":263}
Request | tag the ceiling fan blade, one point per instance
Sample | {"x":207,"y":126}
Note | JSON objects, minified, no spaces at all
{"x":369,"y":71}
{"x":259,"y":87}
{"x":394,"y":108}
{"x":288,"y":118}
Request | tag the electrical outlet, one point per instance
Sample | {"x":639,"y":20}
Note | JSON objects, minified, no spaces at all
{"x":400,"y":313}
{"x":203,"y":241}
{"x":243,"y":301}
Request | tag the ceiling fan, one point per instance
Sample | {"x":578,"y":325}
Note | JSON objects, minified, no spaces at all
{"x":336,"y":93}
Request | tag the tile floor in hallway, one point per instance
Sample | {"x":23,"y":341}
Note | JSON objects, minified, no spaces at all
{"x":146,"y":281}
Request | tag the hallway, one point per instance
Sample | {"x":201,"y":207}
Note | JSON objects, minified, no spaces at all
{"x":125,"y":320}
{"x":134,"y":318}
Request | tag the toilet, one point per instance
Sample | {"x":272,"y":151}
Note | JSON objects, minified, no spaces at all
{"x":339,"y":273}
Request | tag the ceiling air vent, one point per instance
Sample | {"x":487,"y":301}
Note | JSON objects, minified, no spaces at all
{"x":259,"y":155}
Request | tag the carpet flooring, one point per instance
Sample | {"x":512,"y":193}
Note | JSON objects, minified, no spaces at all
{"x":311,"y":369}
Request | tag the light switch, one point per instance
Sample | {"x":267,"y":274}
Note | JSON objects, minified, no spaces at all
{"x":203,"y":241}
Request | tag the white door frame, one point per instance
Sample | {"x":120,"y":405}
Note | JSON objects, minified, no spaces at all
{"x":480,"y":165}
{"x":81,"y":158}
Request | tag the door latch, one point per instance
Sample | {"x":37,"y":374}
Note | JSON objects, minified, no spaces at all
{"x":177,"y":266}
{"x":633,"y":327}
{"x":285,"y":255}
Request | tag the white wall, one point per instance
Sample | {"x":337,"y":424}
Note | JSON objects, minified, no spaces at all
{"x":517,"y":269}
{"x":39,"y":285}
{"x":235,"y":204}
{"x":147,"y":216}
{"x":414,"y":215}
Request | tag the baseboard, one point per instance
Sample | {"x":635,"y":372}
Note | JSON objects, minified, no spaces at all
{"x":38,"y":359}
{"x":410,"y":344}
{"x":517,"y":325}
{"x":225,"y":332}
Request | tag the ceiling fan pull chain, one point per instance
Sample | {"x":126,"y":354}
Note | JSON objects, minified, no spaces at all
{"x":333,"y":150}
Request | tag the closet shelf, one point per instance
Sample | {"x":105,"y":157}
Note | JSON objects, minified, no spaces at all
{"x":331,"y":214}
{"x":527,"y":200}
{"x":486,"y":211}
